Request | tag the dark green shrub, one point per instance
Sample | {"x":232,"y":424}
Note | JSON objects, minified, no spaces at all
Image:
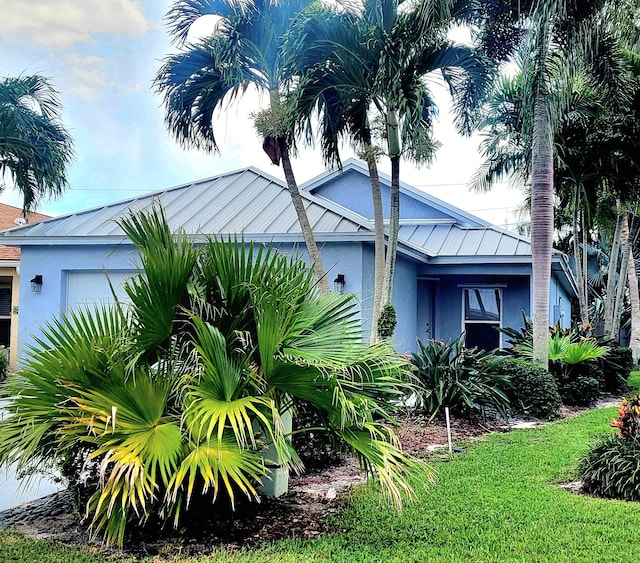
{"x":317,"y":448}
{"x":4,"y":364}
{"x":534,"y":391}
{"x":616,"y":367}
{"x":611,"y":469}
{"x":580,"y":383}
{"x":387,"y":321}
{"x":581,"y":391}
{"x":573,"y":361}
{"x":468,"y":381}
{"x":594,"y":370}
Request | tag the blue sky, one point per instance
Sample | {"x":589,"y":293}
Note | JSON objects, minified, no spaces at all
{"x":102,"y":55}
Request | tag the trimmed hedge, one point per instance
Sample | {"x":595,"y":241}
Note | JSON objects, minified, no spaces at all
{"x":534,"y":390}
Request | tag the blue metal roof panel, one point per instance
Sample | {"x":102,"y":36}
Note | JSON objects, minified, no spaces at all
{"x":451,"y":245}
{"x":507,"y":245}
{"x":244,"y":201}
{"x":470,"y":243}
{"x":437,"y":238}
{"x":489,"y":243}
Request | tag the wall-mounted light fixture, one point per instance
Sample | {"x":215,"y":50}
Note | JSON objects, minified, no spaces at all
{"x":36,"y":284}
{"x":339,"y":283}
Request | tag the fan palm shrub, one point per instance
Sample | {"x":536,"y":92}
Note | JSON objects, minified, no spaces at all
{"x":177,"y":398}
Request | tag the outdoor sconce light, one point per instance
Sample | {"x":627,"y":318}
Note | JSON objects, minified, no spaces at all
{"x":36,"y":284}
{"x":338,"y":283}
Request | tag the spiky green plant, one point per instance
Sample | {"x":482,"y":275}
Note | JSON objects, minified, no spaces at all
{"x":464,"y":379}
{"x":177,"y":395}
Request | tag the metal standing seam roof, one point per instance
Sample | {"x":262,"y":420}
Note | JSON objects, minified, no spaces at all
{"x":254,"y":204}
{"x":455,"y":240}
{"x":246,"y":201}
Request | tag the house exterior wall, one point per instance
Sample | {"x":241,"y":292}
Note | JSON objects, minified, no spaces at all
{"x":448,"y":294}
{"x":352,"y":259}
{"x":559,"y":305}
{"x":425,"y":307}
{"x":368,"y":286}
{"x":405,"y":298}
{"x":53,"y":264}
{"x":353,"y":191}
{"x":355,"y":261}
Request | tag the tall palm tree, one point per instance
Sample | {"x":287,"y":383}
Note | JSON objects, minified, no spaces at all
{"x":367,"y":66}
{"x":244,"y":50}
{"x":507,"y":149}
{"x":35,"y":148}
{"x":560,"y":37}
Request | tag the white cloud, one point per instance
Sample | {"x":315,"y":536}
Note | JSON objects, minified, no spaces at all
{"x":203,"y":27}
{"x":61,"y":23}
{"x":86,"y":76}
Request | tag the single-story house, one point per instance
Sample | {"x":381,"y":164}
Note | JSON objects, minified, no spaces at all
{"x":454,"y":271}
{"x":10,"y":280}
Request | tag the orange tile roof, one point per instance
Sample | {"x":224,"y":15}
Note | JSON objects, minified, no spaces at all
{"x":8,"y":216}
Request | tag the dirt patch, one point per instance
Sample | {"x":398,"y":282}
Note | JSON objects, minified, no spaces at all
{"x":419,"y":436}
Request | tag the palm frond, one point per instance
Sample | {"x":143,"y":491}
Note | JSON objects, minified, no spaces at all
{"x":216,"y":467}
{"x":35,"y":147}
{"x":381,"y":456}
{"x":167,"y":260}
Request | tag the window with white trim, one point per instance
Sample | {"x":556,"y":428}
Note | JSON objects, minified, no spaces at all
{"x":482,"y":309}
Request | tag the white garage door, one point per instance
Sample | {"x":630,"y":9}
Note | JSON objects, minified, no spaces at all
{"x":94,"y":287}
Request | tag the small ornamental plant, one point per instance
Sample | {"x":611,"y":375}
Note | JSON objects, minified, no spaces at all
{"x":611,"y":469}
{"x":628,"y":421}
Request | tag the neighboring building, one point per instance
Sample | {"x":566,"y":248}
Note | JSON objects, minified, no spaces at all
{"x":11,"y":217}
{"x":454,"y":271}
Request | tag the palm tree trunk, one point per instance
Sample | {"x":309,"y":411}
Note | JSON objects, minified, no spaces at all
{"x":378,"y":222}
{"x":622,"y":278}
{"x":541,"y":225}
{"x":609,"y":305}
{"x":303,"y":219}
{"x":634,"y":301}
{"x":393,"y":140}
{"x":394,"y":228}
{"x":578,"y":261}
{"x":585,"y":267}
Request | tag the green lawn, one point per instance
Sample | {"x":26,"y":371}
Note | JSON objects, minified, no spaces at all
{"x":634,"y":380}
{"x":496,"y":502}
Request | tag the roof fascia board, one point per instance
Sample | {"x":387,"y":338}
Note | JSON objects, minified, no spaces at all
{"x":560,"y":266}
{"x":485,"y":259}
{"x":405,"y":249}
